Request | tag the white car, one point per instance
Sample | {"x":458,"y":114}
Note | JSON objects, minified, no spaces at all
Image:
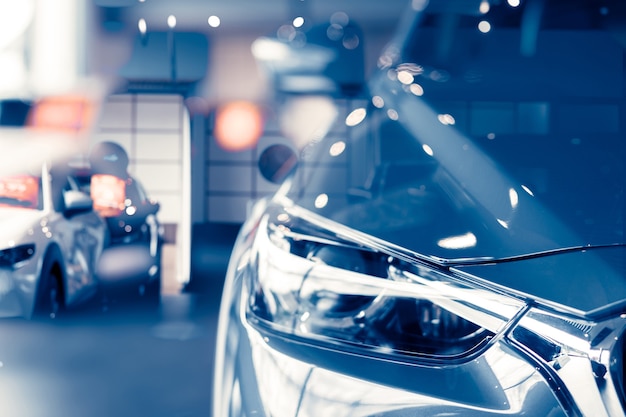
{"x":50,"y":236}
{"x":455,"y":245}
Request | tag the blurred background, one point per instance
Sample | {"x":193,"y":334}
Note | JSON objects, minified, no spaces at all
{"x":162,"y":73}
{"x":195,"y":91}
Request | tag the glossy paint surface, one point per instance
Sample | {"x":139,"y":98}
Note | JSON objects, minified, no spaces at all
{"x":454,"y":244}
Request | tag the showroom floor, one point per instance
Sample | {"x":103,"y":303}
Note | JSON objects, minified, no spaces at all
{"x":118,"y":360}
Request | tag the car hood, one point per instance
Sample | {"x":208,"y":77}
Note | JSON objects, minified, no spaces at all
{"x":589,"y":281}
{"x":468,"y":150}
{"x":15,"y":223}
{"x":437,"y":192}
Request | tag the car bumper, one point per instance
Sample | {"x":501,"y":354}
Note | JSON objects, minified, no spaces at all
{"x":17,"y":293}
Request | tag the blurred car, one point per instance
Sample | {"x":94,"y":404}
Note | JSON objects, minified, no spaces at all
{"x":50,"y":236}
{"x":132,"y":257}
{"x":455,"y":245}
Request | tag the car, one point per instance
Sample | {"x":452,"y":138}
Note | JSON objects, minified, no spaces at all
{"x":51,"y":239}
{"x":132,"y":256}
{"x":455,"y":244}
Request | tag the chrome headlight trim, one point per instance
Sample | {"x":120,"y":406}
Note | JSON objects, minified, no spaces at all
{"x":581,"y":357}
{"x":413,"y":311}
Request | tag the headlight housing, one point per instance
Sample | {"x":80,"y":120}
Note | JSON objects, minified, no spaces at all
{"x":13,"y":257}
{"x":332,"y":291}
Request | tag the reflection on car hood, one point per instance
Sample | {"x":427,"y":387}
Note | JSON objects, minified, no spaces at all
{"x":441,"y":193}
{"x":589,"y":281}
{"x":585,"y":280}
{"x":515,"y":196}
{"x":15,"y":223}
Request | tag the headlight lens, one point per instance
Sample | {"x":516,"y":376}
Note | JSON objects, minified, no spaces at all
{"x":334,"y":292}
{"x":12,"y":257}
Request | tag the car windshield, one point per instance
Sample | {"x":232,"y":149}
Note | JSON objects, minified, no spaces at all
{"x":490,"y":131}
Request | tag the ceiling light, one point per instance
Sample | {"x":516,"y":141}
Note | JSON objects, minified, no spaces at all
{"x":171,"y":21}
{"x":143,"y":27}
{"x":214,"y":21}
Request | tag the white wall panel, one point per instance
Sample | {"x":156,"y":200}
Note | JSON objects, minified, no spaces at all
{"x":158,"y":146}
{"x":117,"y":113}
{"x":169,"y":212}
{"x":159,"y":177}
{"x":154,"y":114}
{"x":150,"y":128}
{"x":123,"y":138}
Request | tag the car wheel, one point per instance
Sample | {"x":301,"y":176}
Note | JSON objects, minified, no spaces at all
{"x":50,"y":300}
{"x":151,"y":293}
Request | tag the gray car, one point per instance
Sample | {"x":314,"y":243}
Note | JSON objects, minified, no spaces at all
{"x":455,"y":245}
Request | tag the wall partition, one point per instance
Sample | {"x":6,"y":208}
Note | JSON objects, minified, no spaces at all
{"x":154,"y":130}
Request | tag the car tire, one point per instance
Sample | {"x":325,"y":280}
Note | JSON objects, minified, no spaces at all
{"x":152,"y":293}
{"x":50,"y":301}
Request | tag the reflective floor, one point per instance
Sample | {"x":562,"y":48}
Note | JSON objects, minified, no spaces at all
{"x":118,"y":359}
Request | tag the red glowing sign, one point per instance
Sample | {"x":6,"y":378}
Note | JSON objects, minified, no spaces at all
{"x":108,"y":193}
{"x":19,"y":191}
{"x":62,"y":113}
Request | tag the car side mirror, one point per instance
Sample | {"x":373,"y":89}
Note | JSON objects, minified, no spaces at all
{"x":76,"y":202}
{"x":153,"y":207}
{"x":276,"y":162}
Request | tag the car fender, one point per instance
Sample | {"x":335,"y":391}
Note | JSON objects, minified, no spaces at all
{"x":52,"y":256}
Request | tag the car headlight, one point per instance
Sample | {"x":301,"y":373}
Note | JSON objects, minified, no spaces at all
{"x":347,"y":291}
{"x":12,"y":257}
{"x":327,"y":290}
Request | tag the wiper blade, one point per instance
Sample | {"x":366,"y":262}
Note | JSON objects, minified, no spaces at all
{"x":347,"y":235}
{"x":490,"y":260}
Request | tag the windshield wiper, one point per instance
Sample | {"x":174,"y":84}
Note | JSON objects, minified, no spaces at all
{"x":489,"y":260}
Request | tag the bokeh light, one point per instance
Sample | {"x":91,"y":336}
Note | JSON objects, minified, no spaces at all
{"x":142,"y":25}
{"x":446,"y":119}
{"x":321,"y":201}
{"x":298,"y":22}
{"x":337,"y":148}
{"x":417,"y":89}
{"x":484,"y":7}
{"x":238,"y":126}
{"x":171,"y":21}
{"x":63,"y":113}
{"x":214,"y":21}
{"x":378,"y":102}
{"x":356,"y":116}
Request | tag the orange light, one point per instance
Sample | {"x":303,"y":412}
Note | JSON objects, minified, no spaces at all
{"x":238,"y":126}
{"x":72,"y":113}
{"x":22,"y":189}
{"x":108,"y":193}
